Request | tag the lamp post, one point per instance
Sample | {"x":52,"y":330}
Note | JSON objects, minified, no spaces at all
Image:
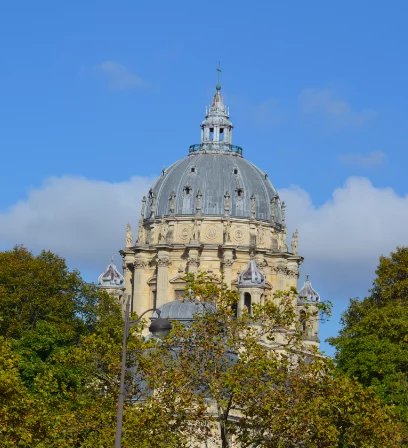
{"x":159,"y":328}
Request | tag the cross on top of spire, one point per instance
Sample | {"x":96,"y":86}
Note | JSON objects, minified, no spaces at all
{"x":219,"y":71}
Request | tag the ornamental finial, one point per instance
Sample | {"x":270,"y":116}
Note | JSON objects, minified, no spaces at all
{"x":219,"y":71}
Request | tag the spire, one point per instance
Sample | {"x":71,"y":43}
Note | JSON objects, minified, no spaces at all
{"x":216,"y":129}
{"x":219,"y":71}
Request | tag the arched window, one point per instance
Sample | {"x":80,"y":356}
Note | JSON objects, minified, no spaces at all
{"x":303,"y":320}
{"x":221,"y":134}
{"x":248,"y":302}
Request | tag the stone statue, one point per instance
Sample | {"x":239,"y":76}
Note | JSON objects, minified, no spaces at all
{"x":294,"y":242}
{"x":260,"y":235}
{"x":142,"y":210}
{"x":172,"y":203}
{"x":283,"y":208}
{"x":163,"y":231}
{"x":129,"y":237}
{"x":227,"y":203}
{"x":227,"y":232}
{"x":196,"y":230}
{"x":282,"y":241}
{"x":141,"y":237}
{"x":274,"y":202}
{"x":152,"y":203}
{"x":253,"y":206}
{"x":198,"y":202}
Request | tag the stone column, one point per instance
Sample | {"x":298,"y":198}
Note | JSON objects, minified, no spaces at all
{"x":127,"y":273}
{"x":163,"y":261}
{"x":140,"y":299}
{"x":227,"y":263}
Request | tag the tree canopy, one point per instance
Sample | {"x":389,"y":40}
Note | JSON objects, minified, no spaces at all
{"x":218,"y":378}
{"x":373,"y":343}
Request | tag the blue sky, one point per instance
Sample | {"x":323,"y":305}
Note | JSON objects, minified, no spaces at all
{"x":97,"y":97}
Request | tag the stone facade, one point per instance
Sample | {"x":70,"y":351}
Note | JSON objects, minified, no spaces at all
{"x":212,"y":211}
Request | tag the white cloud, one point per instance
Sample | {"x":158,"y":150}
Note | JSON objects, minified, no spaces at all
{"x":120,"y":77}
{"x":325,"y":104}
{"x":370,"y":160}
{"x":269,"y":113}
{"x":82,"y":220}
{"x":343,"y":238}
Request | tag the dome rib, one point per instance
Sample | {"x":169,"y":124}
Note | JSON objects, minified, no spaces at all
{"x":213,"y":177}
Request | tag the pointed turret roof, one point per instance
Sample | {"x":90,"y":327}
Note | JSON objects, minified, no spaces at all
{"x":252,"y":276}
{"x":307,"y":293}
{"x":111,"y":277}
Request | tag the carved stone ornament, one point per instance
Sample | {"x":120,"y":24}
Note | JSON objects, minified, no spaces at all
{"x":211,"y":233}
{"x":141,"y":264}
{"x":163,"y":261}
{"x":292,"y":271}
{"x":228,"y":263}
{"x":238,"y":235}
{"x":193,"y":261}
{"x":184,"y":233}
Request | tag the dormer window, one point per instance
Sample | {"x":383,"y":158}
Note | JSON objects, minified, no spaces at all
{"x":240,"y":192}
{"x":187,"y":190}
{"x":193,"y":169}
{"x":235,"y":171}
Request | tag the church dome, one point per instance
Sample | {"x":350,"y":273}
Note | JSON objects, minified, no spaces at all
{"x":214,"y":179}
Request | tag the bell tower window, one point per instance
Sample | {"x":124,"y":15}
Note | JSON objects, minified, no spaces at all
{"x":212,"y":134}
{"x":221,"y":134}
{"x":248,"y":302}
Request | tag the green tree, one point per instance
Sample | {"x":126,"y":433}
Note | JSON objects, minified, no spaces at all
{"x":60,"y":354}
{"x":246,"y":379}
{"x":373,"y":343}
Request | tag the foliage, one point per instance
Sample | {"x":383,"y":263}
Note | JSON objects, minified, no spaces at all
{"x":373,"y":343}
{"x":60,"y":352}
{"x":248,"y":380}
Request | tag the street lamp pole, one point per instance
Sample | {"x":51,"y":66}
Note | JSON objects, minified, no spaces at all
{"x":159,"y":327}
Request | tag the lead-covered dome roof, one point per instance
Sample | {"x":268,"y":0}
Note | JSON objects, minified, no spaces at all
{"x":214,"y":180}
{"x":214,"y":184}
